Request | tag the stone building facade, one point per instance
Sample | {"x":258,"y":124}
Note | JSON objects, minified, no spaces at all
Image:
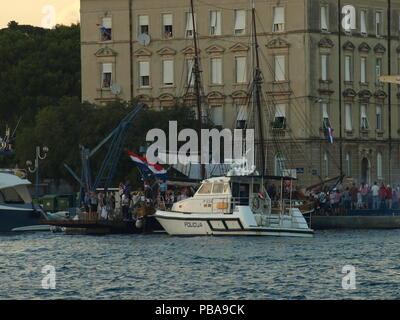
{"x":306,"y":86}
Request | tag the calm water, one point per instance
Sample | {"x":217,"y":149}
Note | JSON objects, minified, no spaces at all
{"x":164,"y":267}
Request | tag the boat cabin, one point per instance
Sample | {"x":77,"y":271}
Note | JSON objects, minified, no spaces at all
{"x":224,"y":194}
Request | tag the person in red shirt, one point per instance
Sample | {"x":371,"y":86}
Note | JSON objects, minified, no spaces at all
{"x":382,"y":196}
{"x":389,"y":197}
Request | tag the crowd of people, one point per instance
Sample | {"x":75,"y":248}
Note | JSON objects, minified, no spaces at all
{"x":99,"y":205}
{"x":342,"y":198}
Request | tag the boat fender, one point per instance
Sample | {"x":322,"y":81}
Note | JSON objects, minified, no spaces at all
{"x":139,"y":223}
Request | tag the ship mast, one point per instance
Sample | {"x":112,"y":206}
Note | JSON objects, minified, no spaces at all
{"x":257,"y":83}
{"x":197,"y":86}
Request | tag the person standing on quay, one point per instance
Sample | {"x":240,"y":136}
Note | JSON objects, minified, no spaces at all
{"x":375,"y":194}
{"x":389,"y":197}
{"x":353,"y":195}
{"x":364,"y":194}
{"x":382,"y":196}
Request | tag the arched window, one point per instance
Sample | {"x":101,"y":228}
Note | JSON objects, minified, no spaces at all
{"x":279,"y":164}
{"x":348,"y":164}
{"x":326,"y":164}
{"x":379,"y":171}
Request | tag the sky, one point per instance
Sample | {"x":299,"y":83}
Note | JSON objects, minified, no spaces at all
{"x":41,"y":13}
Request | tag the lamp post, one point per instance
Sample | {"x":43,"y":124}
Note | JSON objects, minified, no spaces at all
{"x":35,"y":169}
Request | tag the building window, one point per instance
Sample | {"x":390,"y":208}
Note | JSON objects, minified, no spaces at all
{"x":324,"y":18}
{"x":240,"y":64}
{"x":347,"y":69}
{"x":324,"y":67}
{"x":280,"y":74}
{"x":144,"y":73}
{"x":106,"y":29}
{"x":279,"y":19}
{"x":378,"y":69}
{"x":279,"y":164}
{"x":143,"y":25}
{"x":168,"y":72}
{"x":349,"y":124}
{"x":241,"y":116}
{"x":363,"y":70}
{"x":280,"y":117}
{"x":240,"y":21}
{"x":215,"y":23}
{"x":190,"y":74}
{"x":364,"y":118}
{"x":379,"y":171}
{"x":363,"y":19}
{"x":326,"y":164}
{"x":378,"y":23}
{"x":106,"y":78}
{"x":325,"y":116}
{"x":167,"y":26}
{"x":217,"y":115}
{"x":348,"y":165}
{"x":189,"y":24}
{"x":216,"y":71}
{"x":379,"y":124}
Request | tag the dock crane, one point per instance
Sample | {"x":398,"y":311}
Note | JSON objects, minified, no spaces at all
{"x":109,"y":165}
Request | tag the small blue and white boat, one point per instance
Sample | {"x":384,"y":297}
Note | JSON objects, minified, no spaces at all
{"x":17,"y":211}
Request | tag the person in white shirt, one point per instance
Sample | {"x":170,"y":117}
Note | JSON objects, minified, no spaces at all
{"x":375,"y":194}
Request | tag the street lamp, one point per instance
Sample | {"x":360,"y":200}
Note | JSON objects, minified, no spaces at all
{"x":36,"y":167}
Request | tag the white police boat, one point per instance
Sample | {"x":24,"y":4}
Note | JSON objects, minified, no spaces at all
{"x":233,"y":205}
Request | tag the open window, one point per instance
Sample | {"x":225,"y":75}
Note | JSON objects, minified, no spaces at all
{"x":240,"y":21}
{"x":215,"y":23}
{"x":106,"y":29}
{"x":189,"y":24}
{"x":143,"y":24}
{"x":279,"y":19}
{"x":167,"y":26}
{"x":106,"y":78}
{"x":144,"y":73}
{"x":280,"y":117}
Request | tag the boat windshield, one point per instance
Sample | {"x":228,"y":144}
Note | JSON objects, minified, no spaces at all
{"x":10,"y":195}
{"x":214,"y":188}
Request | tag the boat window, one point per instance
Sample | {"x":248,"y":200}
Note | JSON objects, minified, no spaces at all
{"x":205,"y":188}
{"x":1,"y":198}
{"x":256,"y":188}
{"x":226,"y":187}
{"x":218,"y":188}
{"x":11,"y":196}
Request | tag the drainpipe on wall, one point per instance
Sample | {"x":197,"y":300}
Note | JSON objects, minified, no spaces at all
{"x":389,"y":91}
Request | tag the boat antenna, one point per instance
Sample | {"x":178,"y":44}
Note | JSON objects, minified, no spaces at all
{"x":257,"y":82}
{"x":197,"y":86}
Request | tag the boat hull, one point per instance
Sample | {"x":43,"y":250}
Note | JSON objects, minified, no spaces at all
{"x":184,"y":224}
{"x":18,"y":216}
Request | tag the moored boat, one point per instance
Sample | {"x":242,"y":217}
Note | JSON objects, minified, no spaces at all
{"x":17,"y":211}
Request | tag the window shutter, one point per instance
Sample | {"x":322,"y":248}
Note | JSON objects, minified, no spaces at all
{"x":324,"y":25}
{"x":324,"y":67}
{"x":279,"y":15}
{"x":107,"y":67}
{"x":190,"y":75}
{"x":325,"y":114}
{"x":216,"y":70}
{"x":217,"y":115}
{"x":143,"y":20}
{"x":189,"y":21}
{"x":167,"y":19}
{"x":280,"y":111}
{"x":347,"y":73}
{"x":348,"y":117}
{"x":107,"y":23}
{"x":363,"y":70}
{"x":240,"y":69}
{"x":363,"y":22}
{"x":280,"y":68}
{"x":168,"y":72}
{"x":240,"y":19}
{"x":242,"y":112}
{"x":144,"y":68}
